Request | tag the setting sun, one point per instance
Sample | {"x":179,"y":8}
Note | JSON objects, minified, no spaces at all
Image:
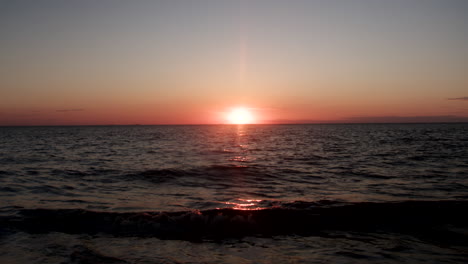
{"x":240,"y":116}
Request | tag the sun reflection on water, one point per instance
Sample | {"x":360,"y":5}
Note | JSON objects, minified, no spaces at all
{"x":239,"y":147}
{"x":245,"y":204}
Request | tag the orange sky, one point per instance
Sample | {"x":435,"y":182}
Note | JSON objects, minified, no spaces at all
{"x":190,"y":62}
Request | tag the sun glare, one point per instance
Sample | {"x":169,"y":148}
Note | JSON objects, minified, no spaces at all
{"x":240,"y":116}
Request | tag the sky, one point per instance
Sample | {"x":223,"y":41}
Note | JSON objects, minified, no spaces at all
{"x":190,"y":62}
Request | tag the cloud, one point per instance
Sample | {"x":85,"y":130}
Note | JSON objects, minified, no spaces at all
{"x":70,"y":110}
{"x":406,"y":119}
{"x":459,"y":98}
{"x":377,"y":119}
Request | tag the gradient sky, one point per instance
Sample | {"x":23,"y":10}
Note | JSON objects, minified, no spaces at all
{"x":189,"y":62}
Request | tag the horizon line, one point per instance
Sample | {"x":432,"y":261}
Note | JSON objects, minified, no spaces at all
{"x":253,"y":124}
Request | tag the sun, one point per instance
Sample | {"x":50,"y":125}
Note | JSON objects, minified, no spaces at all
{"x":240,"y":115}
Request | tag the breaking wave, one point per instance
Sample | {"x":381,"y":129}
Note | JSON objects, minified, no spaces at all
{"x":439,"y":220}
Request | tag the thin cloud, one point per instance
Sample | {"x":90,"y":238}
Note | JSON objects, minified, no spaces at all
{"x":406,"y":119}
{"x":459,"y":98}
{"x":378,"y":119}
{"x":70,"y":110}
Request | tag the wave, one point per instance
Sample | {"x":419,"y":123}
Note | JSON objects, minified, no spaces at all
{"x":83,"y":254}
{"x":438,"y":220}
{"x":213,"y":172}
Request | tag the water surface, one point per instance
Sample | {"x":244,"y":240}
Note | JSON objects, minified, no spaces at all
{"x":360,"y":193}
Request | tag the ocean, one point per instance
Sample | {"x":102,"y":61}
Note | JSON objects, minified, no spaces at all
{"x":321,"y":193}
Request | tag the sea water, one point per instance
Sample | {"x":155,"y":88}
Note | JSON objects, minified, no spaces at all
{"x":322,"y":193}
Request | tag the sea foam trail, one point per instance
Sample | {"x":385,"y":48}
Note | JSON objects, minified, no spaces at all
{"x":443,"y":221}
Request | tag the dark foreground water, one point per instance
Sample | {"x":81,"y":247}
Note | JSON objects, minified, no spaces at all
{"x":394,"y":193}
